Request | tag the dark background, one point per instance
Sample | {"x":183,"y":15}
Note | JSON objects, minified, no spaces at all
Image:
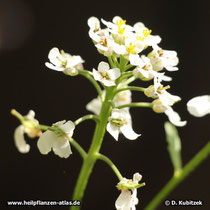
{"x":28,"y":30}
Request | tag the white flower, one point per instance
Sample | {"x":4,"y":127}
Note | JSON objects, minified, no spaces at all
{"x":105,"y":75}
{"x":29,"y":127}
{"x":129,"y":49}
{"x":199,"y":106}
{"x":120,"y":121}
{"x":160,"y":59}
{"x":57,"y":141}
{"x":163,"y":104}
{"x":119,"y":29}
{"x":127,"y":200}
{"x":143,"y":35}
{"x":61,"y":61}
{"x":100,"y":37}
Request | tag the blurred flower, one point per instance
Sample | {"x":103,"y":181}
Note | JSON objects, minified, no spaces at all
{"x":30,"y":127}
{"x":57,"y":139}
{"x":199,"y":106}
{"x":127,"y":200}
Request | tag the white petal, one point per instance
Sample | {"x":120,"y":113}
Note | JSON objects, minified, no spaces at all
{"x":174,"y":117}
{"x":128,"y":132}
{"x":56,"y":68}
{"x":97,"y":75}
{"x":94,"y":36}
{"x":46,"y":141}
{"x":113,"y":130}
{"x":93,"y":23}
{"x":61,"y":147}
{"x":135,"y":60}
{"x":94,"y":106}
{"x":137,"y":177}
{"x":199,"y":106}
{"x":108,"y":83}
{"x":103,"y":66}
{"x":20,"y":142}
{"x":53,"y":56}
{"x":114,"y":73}
{"x":68,"y":128}
{"x":30,"y":115}
{"x":117,"y":113}
{"x":123,"y":202}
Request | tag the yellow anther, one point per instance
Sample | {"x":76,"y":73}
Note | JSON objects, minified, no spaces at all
{"x":131,"y":48}
{"x":121,"y":30}
{"x":96,"y":27}
{"x":120,"y":22}
{"x":146,"y":32}
{"x":140,"y":38}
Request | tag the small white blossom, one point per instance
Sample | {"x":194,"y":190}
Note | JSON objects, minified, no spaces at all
{"x":61,"y":61}
{"x":28,"y":127}
{"x":163,"y":105}
{"x":199,"y":106}
{"x":119,"y":29}
{"x":106,"y":75}
{"x":160,"y":59}
{"x":143,"y":35}
{"x":127,"y":199}
{"x":58,"y":142}
{"x":120,"y":121}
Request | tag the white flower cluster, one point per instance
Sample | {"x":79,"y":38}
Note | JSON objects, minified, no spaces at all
{"x":120,"y":39}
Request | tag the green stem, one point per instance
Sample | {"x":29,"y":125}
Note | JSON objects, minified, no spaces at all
{"x":78,"y":148}
{"x":176,"y":180}
{"x":111,"y":62}
{"x":128,"y":81}
{"x":125,"y":75}
{"x":134,"y":88}
{"x":88,"y":75}
{"x":111,"y":164}
{"x":86,"y":117}
{"x":128,"y":67}
{"x":91,"y":157}
{"x":140,"y":104}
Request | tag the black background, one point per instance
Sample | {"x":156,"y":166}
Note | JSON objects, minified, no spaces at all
{"x":28,"y":30}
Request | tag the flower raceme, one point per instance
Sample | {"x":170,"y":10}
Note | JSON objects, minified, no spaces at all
{"x":123,"y":45}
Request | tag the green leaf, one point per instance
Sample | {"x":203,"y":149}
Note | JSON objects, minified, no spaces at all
{"x":174,"y":147}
